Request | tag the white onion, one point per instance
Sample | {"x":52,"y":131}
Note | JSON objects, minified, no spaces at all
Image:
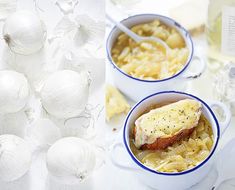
{"x":71,"y":160}
{"x":15,"y":157}
{"x":89,"y":31}
{"x":65,"y":93}
{"x":79,"y":32}
{"x":24,"y":32}
{"x":81,"y":60}
{"x":14,"y":91}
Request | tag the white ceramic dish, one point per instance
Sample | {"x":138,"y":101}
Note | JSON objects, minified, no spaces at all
{"x":165,"y":181}
{"x":135,"y":88}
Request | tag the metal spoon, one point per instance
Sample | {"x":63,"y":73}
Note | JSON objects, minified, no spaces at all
{"x":136,"y":37}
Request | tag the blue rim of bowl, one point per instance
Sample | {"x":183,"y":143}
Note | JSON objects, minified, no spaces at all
{"x":142,"y":80}
{"x":165,"y":173}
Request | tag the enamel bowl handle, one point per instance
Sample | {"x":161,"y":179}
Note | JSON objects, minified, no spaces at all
{"x":193,"y":75}
{"x":115,"y":159}
{"x":226,"y":112}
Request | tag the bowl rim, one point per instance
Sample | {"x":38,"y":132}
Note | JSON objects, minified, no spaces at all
{"x":167,"y":173}
{"x":108,"y":52}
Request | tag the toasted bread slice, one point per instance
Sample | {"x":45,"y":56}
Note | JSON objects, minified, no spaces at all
{"x":162,"y":127}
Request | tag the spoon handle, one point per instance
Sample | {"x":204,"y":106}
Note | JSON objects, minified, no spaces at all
{"x":124,"y":29}
{"x":221,"y":181}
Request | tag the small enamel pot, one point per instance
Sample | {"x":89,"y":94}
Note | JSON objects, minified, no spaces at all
{"x":135,"y":88}
{"x":163,"y":180}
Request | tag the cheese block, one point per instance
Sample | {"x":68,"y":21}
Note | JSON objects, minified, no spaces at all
{"x":115,"y":103}
{"x":192,"y":15}
{"x":163,"y":126}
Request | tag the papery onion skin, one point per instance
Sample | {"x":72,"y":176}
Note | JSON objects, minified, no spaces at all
{"x":7,"y":7}
{"x":14,"y":123}
{"x":44,"y":132}
{"x":24,"y":32}
{"x":15,"y":157}
{"x":14,"y":91}
{"x":65,"y":93}
{"x":71,"y":160}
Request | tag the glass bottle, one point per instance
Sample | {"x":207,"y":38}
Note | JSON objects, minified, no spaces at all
{"x":224,"y":86}
{"x":220,"y":30}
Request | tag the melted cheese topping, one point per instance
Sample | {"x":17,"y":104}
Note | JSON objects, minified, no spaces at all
{"x":182,"y":155}
{"x":115,"y":103}
{"x":167,"y":121}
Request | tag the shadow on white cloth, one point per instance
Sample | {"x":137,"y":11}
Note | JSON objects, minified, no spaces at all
{"x":22,"y":183}
{"x":52,"y":184}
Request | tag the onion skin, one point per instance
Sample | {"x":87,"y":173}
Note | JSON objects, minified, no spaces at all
{"x":14,"y":91}
{"x":65,"y":94}
{"x":15,"y":157}
{"x":44,"y":132}
{"x":71,"y":160}
{"x":24,"y":32}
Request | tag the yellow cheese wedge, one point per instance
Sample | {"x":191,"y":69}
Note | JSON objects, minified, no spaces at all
{"x":192,"y":15}
{"x":167,"y":121}
{"x":115,"y":103}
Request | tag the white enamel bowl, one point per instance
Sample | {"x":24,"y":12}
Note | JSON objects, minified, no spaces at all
{"x":169,"y":181}
{"x":135,"y":88}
